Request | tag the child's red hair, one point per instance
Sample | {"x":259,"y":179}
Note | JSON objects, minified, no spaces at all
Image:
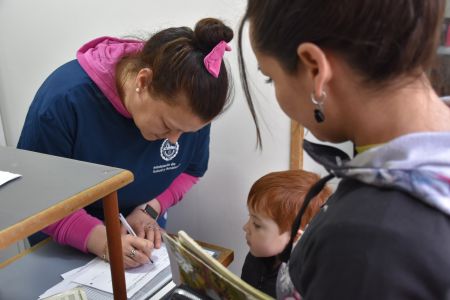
{"x":279,"y":196}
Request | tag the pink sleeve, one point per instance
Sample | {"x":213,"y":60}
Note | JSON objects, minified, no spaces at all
{"x":175,"y":192}
{"x":73,"y":230}
{"x":447,"y":40}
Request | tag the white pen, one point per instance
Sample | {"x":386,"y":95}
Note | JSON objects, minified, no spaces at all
{"x":129,"y":229}
{"x":127,"y":226}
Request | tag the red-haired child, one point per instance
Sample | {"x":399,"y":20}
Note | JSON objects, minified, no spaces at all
{"x":273,"y":203}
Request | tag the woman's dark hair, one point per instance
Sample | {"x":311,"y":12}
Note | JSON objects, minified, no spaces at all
{"x":176,"y":55}
{"x":380,"y":39}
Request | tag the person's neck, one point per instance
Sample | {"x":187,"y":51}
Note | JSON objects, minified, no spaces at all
{"x":276,"y":262}
{"x":124,"y":82}
{"x":378,"y":117}
{"x":271,"y":262}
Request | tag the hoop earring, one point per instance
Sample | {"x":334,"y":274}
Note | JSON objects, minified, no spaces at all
{"x":318,"y":111}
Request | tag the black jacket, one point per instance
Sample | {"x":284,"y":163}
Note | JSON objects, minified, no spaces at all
{"x":370,"y":243}
{"x":261,"y":273}
{"x":377,"y":237}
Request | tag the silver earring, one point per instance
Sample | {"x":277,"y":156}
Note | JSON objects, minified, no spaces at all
{"x":138,"y":90}
{"x":318,"y":111}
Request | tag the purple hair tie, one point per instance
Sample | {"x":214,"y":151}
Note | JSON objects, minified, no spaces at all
{"x":213,"y":60}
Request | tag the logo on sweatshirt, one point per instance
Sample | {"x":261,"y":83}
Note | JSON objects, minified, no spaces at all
{"x":168,"y":150}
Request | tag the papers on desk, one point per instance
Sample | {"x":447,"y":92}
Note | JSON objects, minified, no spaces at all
{"x":96,"y":274}
{"x":7,"y":176}
{"x":73,"y":294}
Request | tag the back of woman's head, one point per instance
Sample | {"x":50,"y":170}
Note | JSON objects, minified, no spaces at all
{"x":380,"y":40}
{"x":279,"y":196}
{"x":175,"y":56}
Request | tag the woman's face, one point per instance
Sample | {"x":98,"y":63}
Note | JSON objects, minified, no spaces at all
{"x":293,"y":93}
{"x":263,"y":235}
{"x":157,"y":120}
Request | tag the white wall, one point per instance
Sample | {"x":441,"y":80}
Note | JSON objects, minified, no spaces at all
{"x":447,"y":9}
{"x":38,"y":36}
{"x":2,"y":132}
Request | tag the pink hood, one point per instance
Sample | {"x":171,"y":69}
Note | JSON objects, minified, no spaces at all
{"x":99,"y":58}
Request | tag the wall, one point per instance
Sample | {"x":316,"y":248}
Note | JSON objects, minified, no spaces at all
{"x":2,"y":132}
{"x":4,"y":254}
{"x":447,"y":9}
{"x":38,"y":36}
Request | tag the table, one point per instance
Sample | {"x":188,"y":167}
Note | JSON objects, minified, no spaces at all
{"x":53,"y":187}
{"x":57,"y":259}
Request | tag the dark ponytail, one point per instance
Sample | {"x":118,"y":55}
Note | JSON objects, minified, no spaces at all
{"x":176,"y":55}
{"x":209,"y":32}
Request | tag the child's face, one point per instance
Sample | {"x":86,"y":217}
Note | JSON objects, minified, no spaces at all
{"x":263,"y":236}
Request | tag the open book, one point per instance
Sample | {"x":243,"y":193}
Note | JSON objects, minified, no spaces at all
{"x":192,"y":266}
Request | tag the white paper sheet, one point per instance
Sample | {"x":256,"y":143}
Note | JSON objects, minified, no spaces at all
{"x":64,"y":285}
{"x":97,"y":274}
{"x":7,"y":176}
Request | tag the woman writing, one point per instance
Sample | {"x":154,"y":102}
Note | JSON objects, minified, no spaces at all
{"x":142,"y":106}
{"x":355,"y":70}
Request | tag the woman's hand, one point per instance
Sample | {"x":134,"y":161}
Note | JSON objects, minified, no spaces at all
{"x":145,"y":226}
{"x":136,"y":251}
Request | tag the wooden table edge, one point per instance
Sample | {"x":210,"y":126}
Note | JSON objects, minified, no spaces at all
{"x":32,"y":224}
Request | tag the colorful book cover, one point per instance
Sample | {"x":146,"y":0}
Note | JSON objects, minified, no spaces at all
{"x":192,"y":266}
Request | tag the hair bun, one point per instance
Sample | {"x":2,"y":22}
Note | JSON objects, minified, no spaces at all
{"x":209,"y":32}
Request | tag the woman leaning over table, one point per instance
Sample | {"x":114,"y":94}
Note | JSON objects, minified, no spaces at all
{"x":141,"y":106}
{"x":356,"y":70}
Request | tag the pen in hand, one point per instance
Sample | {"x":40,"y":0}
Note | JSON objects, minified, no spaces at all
{"x":129,"y":229}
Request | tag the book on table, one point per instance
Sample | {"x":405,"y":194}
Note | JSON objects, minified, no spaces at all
{"x":192,"y":266}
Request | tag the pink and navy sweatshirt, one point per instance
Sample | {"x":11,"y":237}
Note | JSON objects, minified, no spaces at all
{"x":77,"y":113}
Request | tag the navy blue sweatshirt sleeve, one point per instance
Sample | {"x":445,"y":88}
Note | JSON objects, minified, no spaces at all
{"x":199,"y":161}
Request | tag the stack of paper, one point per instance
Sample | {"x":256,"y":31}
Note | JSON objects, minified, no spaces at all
{"x":96,"y":275}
